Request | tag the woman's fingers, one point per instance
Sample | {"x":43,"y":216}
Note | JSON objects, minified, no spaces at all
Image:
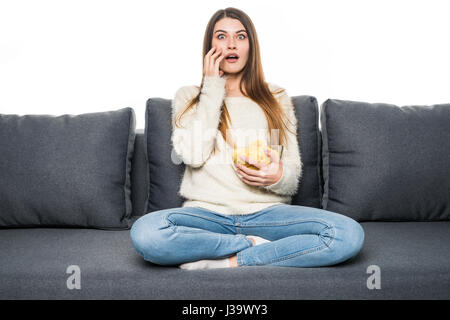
{"x":249,"y":177}
{"x":250,"y":174}
{"x":251,"y":161}
{"x":206,"y":62}
{"x":215,"y":61}
{"x":212,"y":61}
{"x":252,"y":183}
{"x":219,"y":59}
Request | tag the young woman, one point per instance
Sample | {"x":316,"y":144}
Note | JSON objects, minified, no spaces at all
{"x":236,"y":215}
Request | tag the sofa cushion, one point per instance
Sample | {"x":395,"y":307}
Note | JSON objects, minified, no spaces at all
{"x":166,"y":171}
{"x":385,"y":162}
{"x":68,"y":170}
{"x":412,"y":258}
{"x":310,"y":143}
{"x":164,"y":174}
{"x":139,"y":178}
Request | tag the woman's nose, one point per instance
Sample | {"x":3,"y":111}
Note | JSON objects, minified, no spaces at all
{"x":231,"y":43}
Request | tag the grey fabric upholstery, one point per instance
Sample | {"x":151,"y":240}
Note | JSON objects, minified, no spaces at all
{"x":139,"y":176}
{"x":309,"y":139}
{"x":382,"y":162}
{"x":166,"y":175}
{"x":68,"y":170}
{"x":412,"y":257}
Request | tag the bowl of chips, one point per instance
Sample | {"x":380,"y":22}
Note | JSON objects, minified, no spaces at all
{"x":254,"y":151}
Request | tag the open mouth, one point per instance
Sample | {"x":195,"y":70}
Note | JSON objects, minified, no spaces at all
{"x":232,"y":58}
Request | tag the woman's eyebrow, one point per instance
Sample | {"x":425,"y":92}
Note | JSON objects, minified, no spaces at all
{"x":227,"y":32}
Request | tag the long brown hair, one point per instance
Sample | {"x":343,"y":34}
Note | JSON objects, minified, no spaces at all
{"x":252,"y":79}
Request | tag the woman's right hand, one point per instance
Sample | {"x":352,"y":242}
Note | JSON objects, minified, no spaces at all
{"x":212,"y":62}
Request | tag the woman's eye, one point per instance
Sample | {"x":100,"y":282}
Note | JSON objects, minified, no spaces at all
{"x":243,"y":37}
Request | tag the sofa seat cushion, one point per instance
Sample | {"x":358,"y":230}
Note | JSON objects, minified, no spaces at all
{"x":412,"y":256}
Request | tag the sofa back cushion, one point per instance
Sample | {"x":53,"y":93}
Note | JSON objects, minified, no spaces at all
{"x":68,"y":170}
{"x":166,"y":173}
{"x":382,"y":162}
{"x":310,"y":143}
{"x":139,"y":176}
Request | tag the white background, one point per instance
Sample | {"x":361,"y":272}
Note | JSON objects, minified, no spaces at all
{"x":72,"y":57}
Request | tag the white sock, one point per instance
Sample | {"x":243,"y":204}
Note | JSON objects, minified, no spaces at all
{"x":258,"y":240}
{"x":206,"y":264}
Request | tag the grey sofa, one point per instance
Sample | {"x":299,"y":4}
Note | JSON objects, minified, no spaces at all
{"x":385,"y":166}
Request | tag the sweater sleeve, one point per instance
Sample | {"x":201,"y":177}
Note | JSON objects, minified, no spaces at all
{"x":195,"y":140}
{"x":291,"y":159}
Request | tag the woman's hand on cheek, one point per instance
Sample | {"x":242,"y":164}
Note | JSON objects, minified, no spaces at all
{"x":266,"y":175}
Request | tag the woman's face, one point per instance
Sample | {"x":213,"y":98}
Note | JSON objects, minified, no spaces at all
{"x":230,"y":35}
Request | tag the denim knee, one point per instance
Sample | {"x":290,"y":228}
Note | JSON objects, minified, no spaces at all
{"x":148,"y":238}
{"x":139,"y":234}
{"x":353,"y":239}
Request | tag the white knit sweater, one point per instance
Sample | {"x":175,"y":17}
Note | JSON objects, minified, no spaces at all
{"x":210,"y":180}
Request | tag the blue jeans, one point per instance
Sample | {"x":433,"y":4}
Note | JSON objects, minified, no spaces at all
{"x":300,"y":236}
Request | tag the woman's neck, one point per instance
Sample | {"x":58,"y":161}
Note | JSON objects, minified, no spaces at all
{"x":232,"y":86}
